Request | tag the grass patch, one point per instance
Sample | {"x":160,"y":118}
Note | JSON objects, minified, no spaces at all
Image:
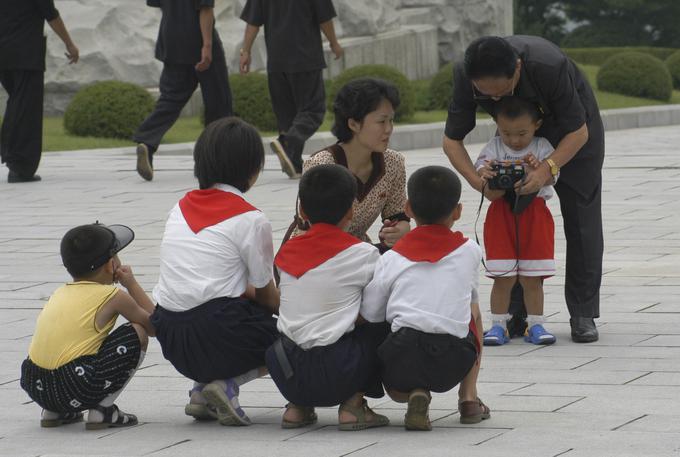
{"x":187,"y":129}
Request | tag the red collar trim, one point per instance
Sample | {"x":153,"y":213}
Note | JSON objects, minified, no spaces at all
{"x":429,"y":243}
{"x":207,"y":207}
{"x":309,"y":250}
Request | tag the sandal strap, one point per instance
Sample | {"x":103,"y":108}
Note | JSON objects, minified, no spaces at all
{"x":358,"y":412}
{"x":108,"y":411}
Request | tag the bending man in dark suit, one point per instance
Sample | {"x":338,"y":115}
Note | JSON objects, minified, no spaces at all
{"x":536,"y":70}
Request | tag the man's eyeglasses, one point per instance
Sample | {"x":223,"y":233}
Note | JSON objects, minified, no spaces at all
{"x":478,"y":96}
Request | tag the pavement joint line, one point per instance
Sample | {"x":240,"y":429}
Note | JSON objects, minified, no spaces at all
{"x":643,"y":310}
{"x":629,"y":422}
{"x":479,"y":443}
{"x":313,"y":428}
{"x":569,"y":404}
{"x":360,"y":449}
{"x":586,"y":363}
{"x":168,"y":447}
{"x":564,"y":452}
{"x":638,"y":377}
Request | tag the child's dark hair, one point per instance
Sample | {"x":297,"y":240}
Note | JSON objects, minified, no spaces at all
{"x":433,"y":192}
{"x":490,"y":57}
{"x":326,"y":193}
{"x":514,"y":107}
{"x":229,"y":151}
{"x":356,"y":99}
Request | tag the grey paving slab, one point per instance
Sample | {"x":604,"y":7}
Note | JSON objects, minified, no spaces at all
{"x":619,"y":396}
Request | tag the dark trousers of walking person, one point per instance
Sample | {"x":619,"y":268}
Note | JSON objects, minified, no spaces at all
{"x":178,"y":82}
{"x":21,"y":136}
{"x":582,"y":216}
{"x":299,"y":104}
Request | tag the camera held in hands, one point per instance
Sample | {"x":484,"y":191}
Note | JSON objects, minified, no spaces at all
{"x":507,"y":174}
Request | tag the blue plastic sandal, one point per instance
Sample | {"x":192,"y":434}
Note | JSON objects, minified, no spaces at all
{"x":496,"y":336}
{"x":538,"y":335}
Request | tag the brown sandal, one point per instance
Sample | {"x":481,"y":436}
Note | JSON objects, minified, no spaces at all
{"x":417,"y":415}
{"x":360,"y":413}
{"x":473,"y":411}
{"x":309,"y":417}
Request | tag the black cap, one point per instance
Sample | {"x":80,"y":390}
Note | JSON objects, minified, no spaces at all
{"x":87,"y":247}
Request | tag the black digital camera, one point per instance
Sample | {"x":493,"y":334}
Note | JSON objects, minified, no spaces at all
{"x":506,"y":175}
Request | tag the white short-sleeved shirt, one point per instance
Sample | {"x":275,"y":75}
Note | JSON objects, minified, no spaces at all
{"x":218,"y":261}
{"x":322,"y":305}
{"x":430,"y":297}
{"x":495,"y":149}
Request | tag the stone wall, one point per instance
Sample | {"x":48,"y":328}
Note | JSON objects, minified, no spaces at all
{"x":116,"y":38}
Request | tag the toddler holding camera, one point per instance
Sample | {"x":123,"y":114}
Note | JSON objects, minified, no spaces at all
{"x":519,"y":243}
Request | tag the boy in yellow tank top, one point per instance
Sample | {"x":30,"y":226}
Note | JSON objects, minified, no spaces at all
{"x":75,"y":361}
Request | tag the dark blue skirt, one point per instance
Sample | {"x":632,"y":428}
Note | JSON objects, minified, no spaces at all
{"x":220,"y":339}
{"x":329,"y":375}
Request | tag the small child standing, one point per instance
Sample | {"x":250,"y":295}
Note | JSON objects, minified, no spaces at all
{"x":426,"y":288}
{"x":215,"y":293}
{"x":531,"y":258}
{"x":326,"y":354}
{"x":75,"y":361}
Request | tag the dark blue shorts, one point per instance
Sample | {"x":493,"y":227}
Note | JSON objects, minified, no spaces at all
{"x":329,"y":375}
{"x":413,"y":359}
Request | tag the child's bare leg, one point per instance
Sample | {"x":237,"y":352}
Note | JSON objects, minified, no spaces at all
{"x":533,"y":298}
{"x":467,"y":391}
{"x":533,"y":294}
{"x":500,"y":294}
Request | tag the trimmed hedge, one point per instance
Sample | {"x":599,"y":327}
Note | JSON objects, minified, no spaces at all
{"x":607,"y":34}
{"x":673,"y":65}
{"x":441,"y":88}
{"x":108,"y":109}
{"x":636,"y":74}
{"x":406,"y":93}
{"x":597,"y":56}
{"x":252,"y":102}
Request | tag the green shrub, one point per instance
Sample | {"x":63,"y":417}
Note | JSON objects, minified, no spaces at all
{"x":385,"y":72}
{"x":635,"y":74}
{"x":108,"y":109}
{"x":673,"y":65}
{"x":441,"y":88}
{"x":609,"y":34}
{"x":252,"y":101}
{"x":597,"y":56}
{"x":421,"y":89}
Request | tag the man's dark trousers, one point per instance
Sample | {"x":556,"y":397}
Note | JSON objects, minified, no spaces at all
{"x":299,"y":103}
{"x":178,"y":82}
{"x":21,"y":137}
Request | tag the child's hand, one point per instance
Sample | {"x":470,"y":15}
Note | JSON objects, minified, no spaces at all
{"x":391,"y":231}
{"x":124,"y":276}
{"x":485,"y":171}
{"x":531,"y":160}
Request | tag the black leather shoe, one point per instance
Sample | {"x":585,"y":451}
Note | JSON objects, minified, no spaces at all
{"x":583,"y":330}
{"x":13,"y":177}
{"x":517,"y":324}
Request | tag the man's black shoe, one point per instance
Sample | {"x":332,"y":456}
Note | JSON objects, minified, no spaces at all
{"x":517,"y":324}
{"x":13,"y":177}
{"x":583,"y":330}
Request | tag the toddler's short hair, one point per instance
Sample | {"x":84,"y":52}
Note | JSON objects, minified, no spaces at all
{"x":514,"y":107}
{"x":326,"y":193}
{"x":433,"y":193}
{"x":229,"y":151}
{"x":86,"y":248}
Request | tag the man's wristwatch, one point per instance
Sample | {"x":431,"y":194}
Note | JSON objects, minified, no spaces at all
{"x":554,"y":169}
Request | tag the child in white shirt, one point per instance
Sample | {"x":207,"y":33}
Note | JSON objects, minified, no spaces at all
{"x":326,"y":355}
{"x":426,"y":288}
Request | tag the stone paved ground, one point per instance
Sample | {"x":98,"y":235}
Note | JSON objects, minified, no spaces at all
{"x":619,"y":396}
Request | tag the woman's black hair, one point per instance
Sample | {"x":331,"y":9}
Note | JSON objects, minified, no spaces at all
{"x":229,"y":151}
{"x":490,"y":57}
{"x":356,"y":99}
